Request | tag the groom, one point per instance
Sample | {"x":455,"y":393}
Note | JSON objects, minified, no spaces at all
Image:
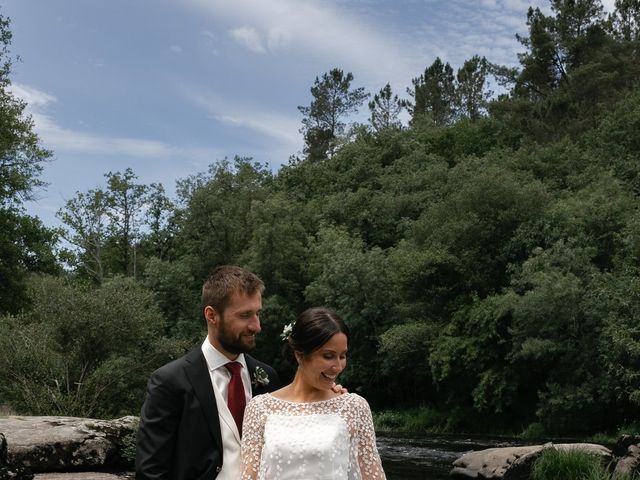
{"x":191,"y":419}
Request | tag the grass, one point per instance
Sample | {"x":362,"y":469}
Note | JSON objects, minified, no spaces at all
{"x":572,"y":465}
{"x":611,"y":438}
{"x":568,"y":465}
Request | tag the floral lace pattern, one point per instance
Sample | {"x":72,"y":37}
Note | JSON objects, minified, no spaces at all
{"x":331,"y":439}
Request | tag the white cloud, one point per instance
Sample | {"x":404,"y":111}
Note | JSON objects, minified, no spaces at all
{"x":249,"y":38}
{"x":175,"y":49}
{"x":282,"y":128}
{"x":35,"y":98}
{"x":61,"y":139}
{"x":315,"y":27}
{"x":211,"y":40}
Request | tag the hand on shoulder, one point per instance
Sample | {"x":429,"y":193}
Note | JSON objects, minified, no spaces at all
{"x":337,"y":388}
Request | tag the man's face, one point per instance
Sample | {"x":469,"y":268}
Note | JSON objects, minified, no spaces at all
{"x":236,"y":328}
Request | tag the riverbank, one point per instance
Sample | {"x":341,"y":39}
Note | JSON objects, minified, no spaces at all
{"x":426,"y":420}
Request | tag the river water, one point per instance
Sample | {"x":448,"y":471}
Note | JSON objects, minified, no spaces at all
{"x":429,"y":457}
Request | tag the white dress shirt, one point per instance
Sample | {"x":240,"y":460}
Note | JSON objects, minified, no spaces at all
{"x":220,"y":376}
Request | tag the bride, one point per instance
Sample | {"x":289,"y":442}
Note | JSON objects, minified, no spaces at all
{"x":306,"y":430}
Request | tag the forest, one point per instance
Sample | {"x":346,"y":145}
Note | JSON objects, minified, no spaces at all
{"x":484,"y":253}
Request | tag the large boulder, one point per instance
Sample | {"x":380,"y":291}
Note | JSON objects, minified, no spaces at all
{"x":629,"y":464}
{"x":513,"y":463}
{"x":63,"y":444}
{"x":11,"y":472}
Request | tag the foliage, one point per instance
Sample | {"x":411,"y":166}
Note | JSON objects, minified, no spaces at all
{"x":214,"y":226}
{"x":485,"y":256}
{"x":412,"y":421}
{"x":385,"y":108}
{"x":433,"y":94}
{"x":82,"y":351}
{"x":176,"y":294}
{"x":86,"y":216}
{"x":471,"y":95}
{"x":25,"y":244}
{"x":323,"y":120}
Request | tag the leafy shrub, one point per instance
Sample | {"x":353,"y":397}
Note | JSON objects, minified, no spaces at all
{"x":415,"y":420}
{"x":82,"y":351}
{"x":534,"y":430}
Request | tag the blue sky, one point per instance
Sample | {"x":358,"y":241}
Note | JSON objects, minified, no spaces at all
{"x":168,"y":87}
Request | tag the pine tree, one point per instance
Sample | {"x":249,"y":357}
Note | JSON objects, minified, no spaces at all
{"x":385,"y":108}
{"x":433,"y":94}
{"x":324,"y":118}
{"x":471,"y":92}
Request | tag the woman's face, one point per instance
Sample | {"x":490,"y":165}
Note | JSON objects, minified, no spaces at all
{"x":321,"y":367}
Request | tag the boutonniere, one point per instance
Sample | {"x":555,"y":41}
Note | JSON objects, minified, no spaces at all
{"x":260,"y":378}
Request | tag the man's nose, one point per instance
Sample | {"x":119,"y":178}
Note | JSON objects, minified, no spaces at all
{"x":254,"y":324}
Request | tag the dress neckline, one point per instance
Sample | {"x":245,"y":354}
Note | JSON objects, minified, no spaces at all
{"x":315,"y":402}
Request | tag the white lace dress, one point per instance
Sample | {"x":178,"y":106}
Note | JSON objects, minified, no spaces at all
{"x":326,"y":440}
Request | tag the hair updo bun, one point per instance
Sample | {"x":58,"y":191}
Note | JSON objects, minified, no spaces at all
{"x":312,"y":329}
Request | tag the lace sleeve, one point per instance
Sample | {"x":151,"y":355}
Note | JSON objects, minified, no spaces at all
{"x":368,"y":457}
{"x":252,"y":439}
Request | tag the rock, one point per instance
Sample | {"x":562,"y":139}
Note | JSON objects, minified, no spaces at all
{"x":15,"y":473}
{"x":624,"y":442}
{"x":629,"y":464}
{"x":57,"y":444}
{"x":513,"y":463}
{"x":3,"y":450}
{"x":492,"y":462}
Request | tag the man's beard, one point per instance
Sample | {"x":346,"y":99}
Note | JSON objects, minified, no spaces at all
{"x":230,"y":343}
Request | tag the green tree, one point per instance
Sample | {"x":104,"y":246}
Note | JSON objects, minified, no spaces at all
{"x":433,"y":94}
{"x":626,"y":20}
{"x":557,"y":44}
{"x":323,"y":120}
{"x":126,"y":201}
{"x":82,"y":351}
{"x":352,"y":280}
{"x":24,"y":242}
{"x":86,"y":217}
{"x":161,"y":223}
{"x":215,"y":226}
{"x":278,"y":250}
{"x":385,"y":109}
{"x":471,"y":94}
{"x":177,"y":295}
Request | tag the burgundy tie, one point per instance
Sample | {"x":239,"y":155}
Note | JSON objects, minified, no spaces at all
{"x":235,"y":394}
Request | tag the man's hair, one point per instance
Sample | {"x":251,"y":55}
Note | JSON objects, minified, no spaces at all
{"x":226,"y":280}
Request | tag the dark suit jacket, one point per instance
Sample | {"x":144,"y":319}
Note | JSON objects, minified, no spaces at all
{"x":179,"y":435}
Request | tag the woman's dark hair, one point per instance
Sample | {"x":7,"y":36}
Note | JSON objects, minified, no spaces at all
{"x":312,"y":329}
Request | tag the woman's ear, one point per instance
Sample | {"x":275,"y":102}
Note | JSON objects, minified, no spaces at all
{"x":298,"y":356}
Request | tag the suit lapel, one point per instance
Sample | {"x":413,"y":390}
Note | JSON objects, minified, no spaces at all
{"x":198,"y":374}
{"x":252,"y":364}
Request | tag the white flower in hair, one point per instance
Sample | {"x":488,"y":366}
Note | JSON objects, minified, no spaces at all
{"x":286,"y":331}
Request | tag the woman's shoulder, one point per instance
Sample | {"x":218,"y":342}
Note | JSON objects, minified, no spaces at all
{"x":355,"y":400}
{"x":260,"y":399}
{"x":354,"y":397}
